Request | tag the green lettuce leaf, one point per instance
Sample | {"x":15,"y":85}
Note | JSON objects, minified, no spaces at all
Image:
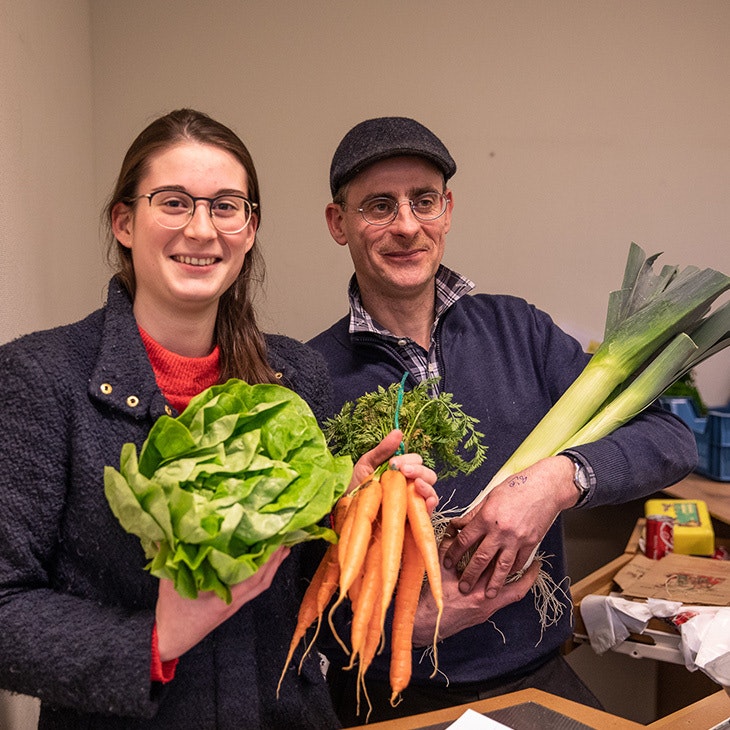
{"x":214,"y":492}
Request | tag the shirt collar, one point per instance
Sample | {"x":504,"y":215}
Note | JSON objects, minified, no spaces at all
{"x":450,"y":287}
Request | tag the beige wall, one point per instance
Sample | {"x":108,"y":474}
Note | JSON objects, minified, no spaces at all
{"x":577,"y":127}
{"x":49,"y":261}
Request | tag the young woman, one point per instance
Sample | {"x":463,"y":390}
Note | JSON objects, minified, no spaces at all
{"x":85,"y":628}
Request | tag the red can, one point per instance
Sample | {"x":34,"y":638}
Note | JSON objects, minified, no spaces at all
{"x":659,"y":536}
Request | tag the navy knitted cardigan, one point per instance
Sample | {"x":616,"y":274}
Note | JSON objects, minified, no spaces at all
{"x":76,"y":605}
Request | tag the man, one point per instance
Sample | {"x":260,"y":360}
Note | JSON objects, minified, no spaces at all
{"x":507,"y":363}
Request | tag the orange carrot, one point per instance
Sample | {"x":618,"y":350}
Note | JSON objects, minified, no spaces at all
{"x":364,"y":604}
{"x":330,"y":578}
{"x":319,"y":591}
{"x":308,"y":610}
{"x":422,"y":529}
{"x":407,"y":594}
{"x":365,"y":507}
{"x":370,"y":646}
{"x":342,"y":506}
{"x":347,"y":515}
{"x":367,"y":504}
{"x":395,"y":499}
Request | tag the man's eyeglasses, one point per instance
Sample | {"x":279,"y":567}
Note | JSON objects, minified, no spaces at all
{"x":383,"y":210}
{"x":174,"y":209}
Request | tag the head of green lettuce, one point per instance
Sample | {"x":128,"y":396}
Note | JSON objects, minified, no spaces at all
{"x":214,"y":492}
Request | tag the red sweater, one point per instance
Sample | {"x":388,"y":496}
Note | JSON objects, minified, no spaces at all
{"x":180,"y":378}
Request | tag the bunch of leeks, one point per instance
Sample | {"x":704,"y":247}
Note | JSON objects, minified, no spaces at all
{"x":658,"y":327}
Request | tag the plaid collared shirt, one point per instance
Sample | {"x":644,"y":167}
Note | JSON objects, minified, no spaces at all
{"x":450,"y":287}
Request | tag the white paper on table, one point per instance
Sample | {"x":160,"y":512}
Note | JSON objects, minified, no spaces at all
{"x":472,"y":720}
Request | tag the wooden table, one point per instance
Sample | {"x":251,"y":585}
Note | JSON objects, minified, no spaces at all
{"x":699,"y":716}
{"x":442,"y":718}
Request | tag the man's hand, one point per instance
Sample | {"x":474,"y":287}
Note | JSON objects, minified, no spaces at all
{"x":506,"y":528}
{"x":462,"y":611}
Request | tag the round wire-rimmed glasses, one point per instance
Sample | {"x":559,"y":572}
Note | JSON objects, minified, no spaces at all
{"x":383,"y":210}
{"x":230,"y":213}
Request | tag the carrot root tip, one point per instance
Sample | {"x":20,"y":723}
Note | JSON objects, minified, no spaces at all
{"x":395,"y":699}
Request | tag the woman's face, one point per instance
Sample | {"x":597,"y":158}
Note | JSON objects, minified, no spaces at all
{"x":185,"y":270}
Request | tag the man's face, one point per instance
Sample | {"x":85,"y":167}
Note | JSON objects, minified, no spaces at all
{"x":400,"y":259}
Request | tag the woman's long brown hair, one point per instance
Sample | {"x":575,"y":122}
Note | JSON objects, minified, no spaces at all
{"x":241,"y":343}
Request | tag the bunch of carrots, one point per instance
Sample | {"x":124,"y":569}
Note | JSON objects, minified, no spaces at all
{"x":386,"y":537}
{"x":385,"y":548}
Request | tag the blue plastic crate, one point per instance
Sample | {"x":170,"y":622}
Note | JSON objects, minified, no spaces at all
{"x":712,"y":434}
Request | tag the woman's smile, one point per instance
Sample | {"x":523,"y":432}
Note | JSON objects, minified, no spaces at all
{"x":195,"y":261}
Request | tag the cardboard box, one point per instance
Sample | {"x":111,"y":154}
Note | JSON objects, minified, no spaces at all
{"x":660,"y":640}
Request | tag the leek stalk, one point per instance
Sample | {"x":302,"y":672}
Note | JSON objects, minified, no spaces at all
{"x":657,"y":328}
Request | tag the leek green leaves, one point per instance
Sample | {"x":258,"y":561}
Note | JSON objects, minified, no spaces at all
{"x":658,"y":327}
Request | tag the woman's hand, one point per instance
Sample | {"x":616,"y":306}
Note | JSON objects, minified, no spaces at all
{"x":183,"y":622}
{"x":410,"y":465}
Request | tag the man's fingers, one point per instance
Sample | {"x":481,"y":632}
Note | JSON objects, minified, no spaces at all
{"x":503,"y":567}
{"x":517,"y":590}
{"x":480,"y":564}
{"x":461,"y":539}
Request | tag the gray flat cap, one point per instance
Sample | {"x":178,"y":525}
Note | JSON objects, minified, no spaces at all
{"x":378,"y":139}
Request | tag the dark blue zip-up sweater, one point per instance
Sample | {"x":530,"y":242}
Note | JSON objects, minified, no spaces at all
{"x":507,"y":363}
